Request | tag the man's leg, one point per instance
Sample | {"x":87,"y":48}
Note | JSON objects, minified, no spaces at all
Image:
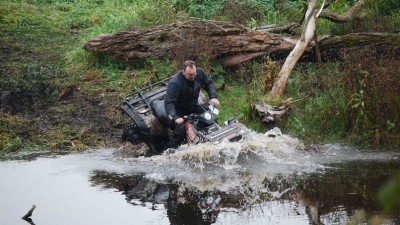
{"x":177,"y":137}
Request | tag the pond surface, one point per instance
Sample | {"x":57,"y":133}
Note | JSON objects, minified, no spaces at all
{"x":262,"y":180}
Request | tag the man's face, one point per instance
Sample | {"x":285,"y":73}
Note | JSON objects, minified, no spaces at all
{"x":189,"y":73}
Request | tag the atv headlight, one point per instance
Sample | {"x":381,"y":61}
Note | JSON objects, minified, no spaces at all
{"x":207,"y":116}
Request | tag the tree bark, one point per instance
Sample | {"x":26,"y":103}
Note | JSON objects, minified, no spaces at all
{"x":230,"y":44}
{"x":316,"y":49}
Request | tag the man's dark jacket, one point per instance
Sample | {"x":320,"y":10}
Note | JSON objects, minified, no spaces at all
{"x":182,"y":95}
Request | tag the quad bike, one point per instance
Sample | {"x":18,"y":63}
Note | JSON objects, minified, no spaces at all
{"x":150,"y":122}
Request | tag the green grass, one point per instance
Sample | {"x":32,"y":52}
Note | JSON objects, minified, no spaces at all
{"x":321,"y":116}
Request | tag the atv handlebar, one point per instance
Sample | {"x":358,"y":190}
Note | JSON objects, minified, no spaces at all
{"x":206,"y":115}
{"x":189,"y":117}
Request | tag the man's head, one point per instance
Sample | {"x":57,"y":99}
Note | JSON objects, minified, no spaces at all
{"x":189,"y":70}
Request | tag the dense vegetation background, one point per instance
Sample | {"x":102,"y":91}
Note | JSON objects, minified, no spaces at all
{"x":56,"y":96}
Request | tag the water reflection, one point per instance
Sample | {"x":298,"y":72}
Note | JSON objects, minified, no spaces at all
{"x":347,"y":190}
{"x":257,"y":187}
{"x":331,"y":196}
{"x":184,"y":205}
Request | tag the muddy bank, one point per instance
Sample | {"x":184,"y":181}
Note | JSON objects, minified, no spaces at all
{"x":42,"y":106}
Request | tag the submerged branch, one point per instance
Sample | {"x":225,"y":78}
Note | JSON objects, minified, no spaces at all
{"x":29,"y":213}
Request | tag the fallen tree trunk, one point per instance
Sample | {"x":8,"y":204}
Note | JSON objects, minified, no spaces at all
{"x":229,"y":43}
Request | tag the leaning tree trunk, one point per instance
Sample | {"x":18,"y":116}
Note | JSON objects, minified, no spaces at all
{"x":297,"y":52}
{"x":308,"y":32}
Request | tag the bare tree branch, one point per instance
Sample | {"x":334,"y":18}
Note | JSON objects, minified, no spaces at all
{"x":351,"y":14}
{"x":322,"y":7}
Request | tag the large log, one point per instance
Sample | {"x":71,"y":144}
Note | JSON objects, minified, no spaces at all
{"x":228,"y":43}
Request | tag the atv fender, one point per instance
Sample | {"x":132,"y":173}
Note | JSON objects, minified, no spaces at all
{"x":158,"y":108}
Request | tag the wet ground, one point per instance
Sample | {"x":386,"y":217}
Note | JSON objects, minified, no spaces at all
{"x":262,"y":180}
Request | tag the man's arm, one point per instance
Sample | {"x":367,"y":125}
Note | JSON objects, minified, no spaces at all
{"x":170,"y":101}
{"x":208,"y":85}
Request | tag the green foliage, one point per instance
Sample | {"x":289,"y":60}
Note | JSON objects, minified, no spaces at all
{"x":149,"y":13}
{"x":234,"y":103}
{"x":218,"y":74}
{"x":29,"y":16}
{"x":243,"y":88}
{"x":203,"y":9}
{"x":322,"y":114}
{"x":247,"y":12}
{"x":243,"y":12}
{"x":355,"y":100}
{"x":228,"y":98}
{"x":381,"y":16}
{"x":388,"y":195}
{"x":13,"y":146}
{"x":109,"y":17}
{"x":372,"y":92}
{"x":153,"y":71}
{"x":384,"y":6}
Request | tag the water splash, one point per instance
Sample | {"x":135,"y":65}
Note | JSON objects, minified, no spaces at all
{"x":247,"y":164}
{"x":227,"y":154}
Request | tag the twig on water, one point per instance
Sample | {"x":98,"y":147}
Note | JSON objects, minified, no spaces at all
{"x":29,"y":213}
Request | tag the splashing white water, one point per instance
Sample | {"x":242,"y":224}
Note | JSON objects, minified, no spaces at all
{"x":226,"y":154}
{"x":229,"y":165}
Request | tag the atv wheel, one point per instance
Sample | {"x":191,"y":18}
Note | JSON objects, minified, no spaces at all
{"x":131,"y":134}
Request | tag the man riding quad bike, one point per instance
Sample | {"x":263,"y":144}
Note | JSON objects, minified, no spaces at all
{"x":174,"y":103}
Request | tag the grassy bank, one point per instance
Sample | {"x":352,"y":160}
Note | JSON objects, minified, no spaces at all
{"x":57,"y":96}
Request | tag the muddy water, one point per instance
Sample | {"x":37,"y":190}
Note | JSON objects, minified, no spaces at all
{"x":262,"y":180}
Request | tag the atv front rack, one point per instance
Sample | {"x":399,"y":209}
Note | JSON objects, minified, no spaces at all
{"x":138,"y":102}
